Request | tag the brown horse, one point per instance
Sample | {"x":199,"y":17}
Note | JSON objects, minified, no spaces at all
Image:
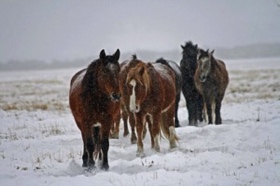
{"x":152,"y":94}
{"x":126,"y":113}
{"x":211,"y":80}
{"x":94,"y":101}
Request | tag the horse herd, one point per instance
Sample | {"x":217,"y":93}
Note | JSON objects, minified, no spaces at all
{"x":146,"y":94}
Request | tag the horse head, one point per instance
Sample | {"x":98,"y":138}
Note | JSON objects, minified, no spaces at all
{"x":137,"y":82}
{"x":204,"y":59}
{"x":108,"y":74}
{"x":189,"y":56}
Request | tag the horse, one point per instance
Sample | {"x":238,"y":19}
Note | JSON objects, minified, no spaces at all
{"x":152,"y":95}
{"x":125,"y":112}
{"x":194,"y":101}
{"x":94,"y":101}
{"x":211,"y":80}
{"x":178,"y":80}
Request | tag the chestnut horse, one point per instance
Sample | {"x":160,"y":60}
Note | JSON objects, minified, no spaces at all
{"x":152,"y":94}
{"x":94,"y":101}
{"x":126,"y":113}
{"x":194,"y":101}
{"x":211,"y":80}
{"x":178,"y":80}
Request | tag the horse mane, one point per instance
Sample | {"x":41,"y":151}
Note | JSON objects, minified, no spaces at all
{"x":89,"y":82}
{"x":146,"y":75}
{"x":134,"y":57}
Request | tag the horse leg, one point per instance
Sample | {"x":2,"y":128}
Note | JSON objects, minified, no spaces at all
{"x":218,"y":110}
{"x":85,"y":152}
{"x":186,"y":95}
{"x":168,"y":128}
{"x":132,"y":122}
{"x":150,"y":124}
{"x":105,"y":132}
{"x":177,"y":124}
{"x":116,"y":127}
{"x":209,"y":111}
{"x":124,"y":118}
{"x":90,"y":148}
{"x":192,"y":111}
{"x":157,"y":122}
{"x":139,"y":127}
{"x":200,"y":108}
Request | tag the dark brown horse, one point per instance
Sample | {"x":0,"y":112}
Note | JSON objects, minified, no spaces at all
{"x":194,"y":101}
{"x":211,"y":80}
{"x":152,"y":94}
{"x":94,"y":101}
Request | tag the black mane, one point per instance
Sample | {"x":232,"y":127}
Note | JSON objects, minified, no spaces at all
{"x":189,"y":57}
{"x":89,"y":81}
{"x":134,"y":57}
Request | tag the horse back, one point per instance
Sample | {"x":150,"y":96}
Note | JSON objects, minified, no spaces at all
{"x":164,"y":83}
{"x":222,"y":73}
{"x":75,"y":101}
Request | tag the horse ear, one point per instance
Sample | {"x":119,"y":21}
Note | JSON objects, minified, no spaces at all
{"x":195,"y":46}
{"x":102,"y":54}
{"x":117,"y":55}
{"x":212,"y":52}
{"x":182,"y":47}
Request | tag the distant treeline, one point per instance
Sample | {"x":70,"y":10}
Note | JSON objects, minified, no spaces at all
{"x":242,"y":52}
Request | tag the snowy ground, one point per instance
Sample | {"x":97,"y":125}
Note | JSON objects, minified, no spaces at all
{"x":41,"y":145}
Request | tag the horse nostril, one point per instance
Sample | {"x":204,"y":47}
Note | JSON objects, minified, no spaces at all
{"x":202,"y":78}
{"x":116,"y":96}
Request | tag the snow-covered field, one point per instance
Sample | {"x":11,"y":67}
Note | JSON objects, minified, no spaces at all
{"x":41,"y":145}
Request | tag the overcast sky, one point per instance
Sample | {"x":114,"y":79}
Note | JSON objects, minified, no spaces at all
{"x":70,"y":29}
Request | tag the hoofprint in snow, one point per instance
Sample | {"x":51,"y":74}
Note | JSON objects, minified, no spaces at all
{"x":40,"y":143}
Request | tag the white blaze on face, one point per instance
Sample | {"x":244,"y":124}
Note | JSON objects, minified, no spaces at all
{"x":132,"y":100}
{"x":97,"y":124}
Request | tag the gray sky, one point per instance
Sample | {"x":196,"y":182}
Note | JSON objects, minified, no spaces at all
{"x":70,"y":29}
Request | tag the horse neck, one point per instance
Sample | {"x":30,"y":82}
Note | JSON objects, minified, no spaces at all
{"x":191,"y":67}
{"x":89,"y":82}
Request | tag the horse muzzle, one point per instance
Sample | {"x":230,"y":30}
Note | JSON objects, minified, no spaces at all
{"x":202,"y":79}
{"x":115,"y":97}
{"x":134,"y":109}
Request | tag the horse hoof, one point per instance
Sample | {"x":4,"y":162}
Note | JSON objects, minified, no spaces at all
{"x":90,"y":168}
{"x":125,"y":134}
{"x":172,"y":145}
{"x":85,"y":165}
{"x":105,"y":167}
{"x":133,"y":141}
{"x":140,"y":154}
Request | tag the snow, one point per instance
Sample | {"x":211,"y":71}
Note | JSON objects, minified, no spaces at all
{"x":40,"y":143}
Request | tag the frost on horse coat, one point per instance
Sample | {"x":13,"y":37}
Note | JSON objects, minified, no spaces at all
{"x":193,"y":98}
{"x":178,"y":84}
{"x":152,"y":94}
{"x":211,"y":80}
{"x":94,"y":101}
